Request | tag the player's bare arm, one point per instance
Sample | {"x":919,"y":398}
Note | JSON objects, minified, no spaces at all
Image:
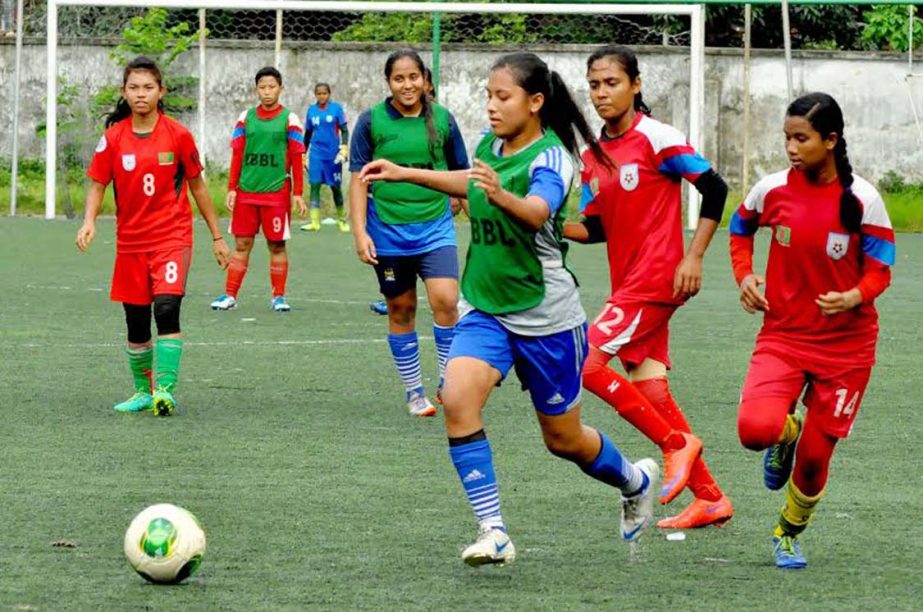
{"x":94,"y":202}
{"x":204,"y":203}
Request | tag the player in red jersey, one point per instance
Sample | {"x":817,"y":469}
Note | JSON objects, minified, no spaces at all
{"x":829,"y":259}
{"x":637,"y":211}
{"x":150,"y":159}
{"x":265,"y":179}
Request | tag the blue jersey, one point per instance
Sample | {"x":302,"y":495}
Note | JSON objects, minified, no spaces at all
{"x":322,"y":130}
{"x":406,"y":238}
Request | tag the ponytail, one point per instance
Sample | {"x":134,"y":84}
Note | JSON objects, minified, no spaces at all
{"x":826,"y":117}
{"x":122,"y":111}
{"x":431,"y":135}
{"x":850,"y":208}
{"x":560,"y":112}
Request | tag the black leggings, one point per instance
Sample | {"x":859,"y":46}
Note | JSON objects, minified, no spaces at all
{"x":166,"y":315}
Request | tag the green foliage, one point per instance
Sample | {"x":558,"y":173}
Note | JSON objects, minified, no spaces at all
{"x":887,"y":28}
{"x":386,"y":27}
{"x":150,"y":35}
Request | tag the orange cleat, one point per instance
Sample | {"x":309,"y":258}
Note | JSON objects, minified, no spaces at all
{"x":677,"y":466}
{"x":700,"y":513}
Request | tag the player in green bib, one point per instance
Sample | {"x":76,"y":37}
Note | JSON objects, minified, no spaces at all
{"x":265,"y":179}
{"x":519,"y":305}
{"x":404,"y":230}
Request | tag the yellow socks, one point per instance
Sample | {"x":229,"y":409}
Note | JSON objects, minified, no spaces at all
{"x":797,"y":511}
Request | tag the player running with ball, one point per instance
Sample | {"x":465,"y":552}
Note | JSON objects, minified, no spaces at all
{"x":830,"y":257}
{"x":266,"y":177}
{"x":150,"y":159}
{"x":520,"y":305}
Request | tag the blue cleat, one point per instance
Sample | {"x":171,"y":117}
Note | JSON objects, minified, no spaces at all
{"x":778,"y":461}
{"x":139,"y":402}
{"x":379,"y":307}
{"x":788,"y":553}
{"x":278,"y":304}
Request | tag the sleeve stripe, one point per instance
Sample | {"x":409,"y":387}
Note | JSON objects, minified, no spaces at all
{"x":690,"y":165}
{"x":239,"y":132}
{"x":586,"y":196}
{"x":885,"y":233}
{"x":879,"y":249}
{"x":295,"y":134}
{"x":741,"y":226}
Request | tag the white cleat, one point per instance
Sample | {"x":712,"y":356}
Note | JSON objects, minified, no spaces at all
{"x":224,"y":302}
{"x":419,"y":405}
{"x":492,"y":546}
{"x":638,"y":510}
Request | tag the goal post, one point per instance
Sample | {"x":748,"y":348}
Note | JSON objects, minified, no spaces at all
{"x":695,"y":13}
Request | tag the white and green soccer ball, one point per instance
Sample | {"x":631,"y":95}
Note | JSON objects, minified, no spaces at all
{"x":165,"y":544}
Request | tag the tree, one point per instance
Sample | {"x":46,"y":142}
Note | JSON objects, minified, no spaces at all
{"x":150,"y":35}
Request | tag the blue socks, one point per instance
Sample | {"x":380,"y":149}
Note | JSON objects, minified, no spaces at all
{"x":443,"y":337}
{"x":474,"y":463}
{"x":613,"y":469}
{"x":405,"y":348}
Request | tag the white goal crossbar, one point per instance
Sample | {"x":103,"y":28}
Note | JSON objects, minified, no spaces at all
{"x":696,"y":13}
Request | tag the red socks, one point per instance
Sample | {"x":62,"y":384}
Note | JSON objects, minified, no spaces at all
{"x":657,"y":391}
{"x":237,"y":269}
{"x":618,"y":392}
{"x":278,"y":274}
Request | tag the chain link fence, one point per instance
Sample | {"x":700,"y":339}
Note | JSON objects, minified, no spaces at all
{"x":85,"y":22}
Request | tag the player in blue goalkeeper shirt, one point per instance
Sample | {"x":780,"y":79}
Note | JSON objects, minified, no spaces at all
{"x":326,"y":135}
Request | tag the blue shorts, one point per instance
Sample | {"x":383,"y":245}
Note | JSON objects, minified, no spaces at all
{"x":549,"y":367}
{"x":324,"y":171}
{"x":397,"y":274}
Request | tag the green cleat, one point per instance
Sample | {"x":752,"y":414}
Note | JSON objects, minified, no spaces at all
{"x":139,"y":402}
{"x":164,"y":404}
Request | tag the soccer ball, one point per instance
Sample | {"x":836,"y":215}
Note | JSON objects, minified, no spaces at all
{"x":165,"y":544}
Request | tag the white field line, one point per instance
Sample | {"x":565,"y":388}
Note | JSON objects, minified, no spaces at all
{"x":326,"y":342}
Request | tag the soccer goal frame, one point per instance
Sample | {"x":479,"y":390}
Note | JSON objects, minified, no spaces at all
{"x":696,"y":13}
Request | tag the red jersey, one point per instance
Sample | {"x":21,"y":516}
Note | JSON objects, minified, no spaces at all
{"x":640,"y":206}
{"x":812,"y":253}
{"x":149,"y":174}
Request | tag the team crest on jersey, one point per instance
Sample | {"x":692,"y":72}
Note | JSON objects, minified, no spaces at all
{"x":837,"y":244}
{"x":329,"y":118}
{"x":102,"y":144}
{"x":783,"y":235}
{"x":628,"y":176}
{"x":129,"y":162}
{"x":165,"y":158}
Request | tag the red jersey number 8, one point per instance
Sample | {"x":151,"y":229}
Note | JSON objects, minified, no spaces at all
{"x":171,"y":273}
{"x":147,"y":184}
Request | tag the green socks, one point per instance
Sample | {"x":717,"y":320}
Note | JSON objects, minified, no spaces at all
{"x":141,"y":362}
{"x":169,"y":352}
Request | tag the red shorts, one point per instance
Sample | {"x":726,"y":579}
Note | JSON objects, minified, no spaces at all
{"x":833,"y":394}
{"x":633,"y":331}
{"x":138,"y":277}
{"x":247,"y":219}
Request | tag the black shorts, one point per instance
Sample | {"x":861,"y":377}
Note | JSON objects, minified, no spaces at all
{"x":397,"y":274}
